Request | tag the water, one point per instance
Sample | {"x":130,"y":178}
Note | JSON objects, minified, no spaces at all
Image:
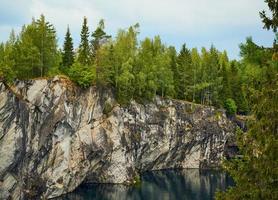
{"x":185,"y":184}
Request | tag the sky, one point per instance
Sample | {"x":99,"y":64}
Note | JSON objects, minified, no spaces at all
{"x":198,"y":23}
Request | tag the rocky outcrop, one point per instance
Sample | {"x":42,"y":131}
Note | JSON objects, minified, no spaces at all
{"x":55,"y":136}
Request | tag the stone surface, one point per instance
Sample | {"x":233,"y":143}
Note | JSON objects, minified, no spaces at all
{"x":55,"y":136}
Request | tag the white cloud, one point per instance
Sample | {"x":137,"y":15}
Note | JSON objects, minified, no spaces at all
{"x":176,"y":15}
{"x":185,"y":15}
{"x":199,"y":20}
{"x":63,"y":13}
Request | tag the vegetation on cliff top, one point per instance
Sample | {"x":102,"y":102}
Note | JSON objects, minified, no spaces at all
{"x":139,"y":69}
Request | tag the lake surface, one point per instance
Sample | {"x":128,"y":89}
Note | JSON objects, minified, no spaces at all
{"x":185,"y":184}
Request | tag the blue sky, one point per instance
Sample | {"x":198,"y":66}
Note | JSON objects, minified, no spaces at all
{"x":198,"y":23}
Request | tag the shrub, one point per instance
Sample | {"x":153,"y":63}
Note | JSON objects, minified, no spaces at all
{"x":107,"y":108}
{"x":82,"y":75}
{"x":137,"y":181}
{"x":6,"y":73}
{"x":230,"y":106}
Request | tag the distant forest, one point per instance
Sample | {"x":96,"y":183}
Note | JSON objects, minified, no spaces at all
{"x":138,"y":69}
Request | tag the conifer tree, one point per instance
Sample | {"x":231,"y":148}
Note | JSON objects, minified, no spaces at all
{"x":256,"y":172}
{"x":28,"y":63}
{"x":270,"y":22}
{"x":99,"y":38}
{"x":67,"y":54}
{"x":84,"y":48}
{"x":7,"y":59}
{"x":236,"y":88}
{"x":45,"y":40}
{"x":225,"y":90}
{"x":182,"y":77}
{"x":196,"y":63}
{"x":173,"y":66}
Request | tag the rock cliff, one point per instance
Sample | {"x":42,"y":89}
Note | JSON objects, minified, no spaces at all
{"x":55,"y":136}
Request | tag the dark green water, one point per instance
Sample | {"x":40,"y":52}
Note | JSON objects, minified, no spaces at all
{"x":188,"y":184}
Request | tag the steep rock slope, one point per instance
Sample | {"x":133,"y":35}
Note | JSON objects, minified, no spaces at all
{"x":54,"y":136}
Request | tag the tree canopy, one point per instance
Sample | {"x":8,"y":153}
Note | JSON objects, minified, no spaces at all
{"x":137,"y":69}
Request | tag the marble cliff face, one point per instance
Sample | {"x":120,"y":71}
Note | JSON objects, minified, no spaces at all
{"x":55,"y":136}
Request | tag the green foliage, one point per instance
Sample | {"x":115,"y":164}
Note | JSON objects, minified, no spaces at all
{"x":106,"y":67}
{"x":33,"y":52}
{"x":254,"y":54}
{"x":137,"y":181}
{"x":84,"y":48}
{"x":153,"y":71}
{"x":137,"y":69}
{"x":230,"y":106}
{"x":82,"y":75}
{"x":7,"y":60}
{"x":196,"y":64}
{"x":184,"y":72}
{"x":99,"y":38}
{"x":116,"y":61}
{"x":225,"y":91}
{"x":125,"y":83}
{"x":237,"y":92}
{"x":270,"y":22}
{"x":28,"y":61}
{"x":45,"y":40}
{"x":142,"y":69}
{"x":108,"y":107}
{"x":67,"y":54}
{"x":256,"y":173}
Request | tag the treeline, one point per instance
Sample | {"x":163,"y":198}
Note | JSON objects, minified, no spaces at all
{"x":137,"y":69}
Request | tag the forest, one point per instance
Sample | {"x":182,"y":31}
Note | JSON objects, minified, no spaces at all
{"x":138,"y":69}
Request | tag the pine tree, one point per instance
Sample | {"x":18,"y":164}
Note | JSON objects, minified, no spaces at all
{"x":196,"y":63}
{"x":46,"y":41}
{"x":28,"y":60}
{"x":213,"y":77}
{"x":99,"y":38}
{"x":7,"y":59}
{"x":236,"y":89}
{"x":173,"y":66}
{"x":254,"y":54}
{"x":225,"y":90}
{"x":270,"y":22}
{"x":183,"y":74}
{"x":84,"y":48}
{"x":256,"y":173}
{"x":67,"y":54}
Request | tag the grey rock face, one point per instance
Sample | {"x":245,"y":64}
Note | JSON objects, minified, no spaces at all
{"x":54,"y":136}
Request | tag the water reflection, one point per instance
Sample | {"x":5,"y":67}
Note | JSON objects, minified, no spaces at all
{"x":164,"y":185}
